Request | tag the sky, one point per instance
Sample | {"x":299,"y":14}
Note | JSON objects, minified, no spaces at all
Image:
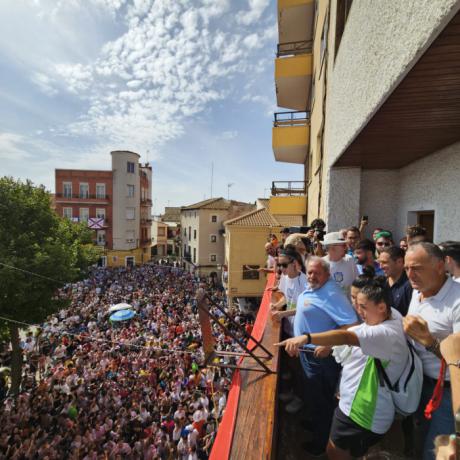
{"x":187,"y":84}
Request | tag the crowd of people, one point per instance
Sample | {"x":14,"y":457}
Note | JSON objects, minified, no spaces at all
{"x":96,"y":389}
{"x":358,"y":314}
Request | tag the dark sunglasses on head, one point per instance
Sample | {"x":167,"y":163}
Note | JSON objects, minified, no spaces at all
{"x":382,"y":243}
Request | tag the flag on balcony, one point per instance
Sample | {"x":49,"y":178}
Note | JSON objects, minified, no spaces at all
{"x":96,"y":223}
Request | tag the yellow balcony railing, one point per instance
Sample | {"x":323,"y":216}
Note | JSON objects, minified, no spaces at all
{"x":295,"y":20}
{"x":291,"y":136}
{"x":293,"y":75}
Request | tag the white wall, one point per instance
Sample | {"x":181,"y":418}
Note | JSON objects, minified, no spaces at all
{"x":429,"y":184}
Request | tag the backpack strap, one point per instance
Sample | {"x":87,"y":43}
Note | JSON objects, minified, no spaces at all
{"x":412,"y":364}
{"x":383,"y":377}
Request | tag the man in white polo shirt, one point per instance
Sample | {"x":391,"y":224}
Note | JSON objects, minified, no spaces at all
{"x":434,"y":313}
{"x":342,"y":266}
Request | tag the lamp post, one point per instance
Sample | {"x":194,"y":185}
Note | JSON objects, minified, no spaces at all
{"x":230,"y":184}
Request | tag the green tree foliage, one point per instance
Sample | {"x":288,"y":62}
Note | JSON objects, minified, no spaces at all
{"x":35,"y":239}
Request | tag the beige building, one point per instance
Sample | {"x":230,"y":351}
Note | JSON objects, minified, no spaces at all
{"x":245,"y":238}
{"x":202,"y":230}
{"x":159,"y":238}
{"x":374,"y":118}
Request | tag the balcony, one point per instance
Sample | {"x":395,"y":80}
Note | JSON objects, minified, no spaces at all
{"x":293,"y":74}
{"x":289,"y":188}
{"x":82,"y":196}
{"x":291,"y":136}
{"x":146,"y":241}
{"x":146,"y":221}
{"x":146,"y":202}
{"x":295,"y":20}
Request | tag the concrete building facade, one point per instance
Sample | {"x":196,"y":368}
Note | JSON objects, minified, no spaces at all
{"x":383,"y":110}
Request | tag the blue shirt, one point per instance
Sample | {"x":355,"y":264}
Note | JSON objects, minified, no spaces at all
{"x":323,"y":309}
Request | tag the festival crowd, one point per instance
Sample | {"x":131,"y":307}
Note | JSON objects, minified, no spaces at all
{"x":364,"y":320}
{"x":96,"y":389}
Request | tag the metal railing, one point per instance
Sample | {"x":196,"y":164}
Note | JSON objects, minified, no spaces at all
{"x":146,"y":201}
{"x":294,"y":48}
{"x":297,"y":118}
{"x":289,"y":187}
{"x":146,"y":241}
{"x":82,"y":196}
{"x":146,"y":221}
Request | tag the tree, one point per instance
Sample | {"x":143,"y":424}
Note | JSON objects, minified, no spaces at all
{"x":34,"y":239}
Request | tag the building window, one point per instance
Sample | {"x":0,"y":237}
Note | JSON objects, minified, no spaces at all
{"x":84,"y":214}
{"x":185,"y":231}
{"x":130,"y":167}
{"x":67,"y":189}
{"x":190,"y":233}
{"x":130,"y":191}
{"x":84,"y":190}
{"x":67,"y":213}
{"x":161,"y":231}
{"x":194,"y":255}
{"x":130,"y":213}
{"x":100,"y":213}
{"x":213,"y":238}
{"x":343,"y":9}
{"x":214,"y":219}
{"x":194,"y":234}
{"x":100,"y":191}
{"x":250,"y":272}
{"x":101,"y":237}
{"x":130,"y":237}
{"x":195,"y":215}
{"x":213,"y":258}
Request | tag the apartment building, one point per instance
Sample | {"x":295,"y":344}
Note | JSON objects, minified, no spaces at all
{"x":372,"y":89}
{"x":202,"y":230}
{"x":115,"y":203}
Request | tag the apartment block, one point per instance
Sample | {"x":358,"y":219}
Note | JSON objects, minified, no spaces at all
{"x":115,"y":203}
{"x":202,"y":232}
{"x":370,"y":109}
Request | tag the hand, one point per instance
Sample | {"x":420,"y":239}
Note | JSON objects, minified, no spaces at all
{"x":277,"y":316}
{"x":292,"y":345}
{"x":322,"y":352}
{"x":311,"y":233}
{"x":445,"y":447}
{"x":417,"y":328}
{"x":363,"y":223}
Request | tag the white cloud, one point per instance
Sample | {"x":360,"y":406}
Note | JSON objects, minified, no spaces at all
{"x":12,"y":147}
{"x":227,"y":135}
{"x":45,"y":83}
{"x":256,"y":9}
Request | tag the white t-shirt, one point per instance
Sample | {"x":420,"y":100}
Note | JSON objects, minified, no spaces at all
{"x":343,"y":272}
{"x":361,"y":396}
{"x":442,"y":313}
{"x":271,"y":261}
{"x":292,"y":288}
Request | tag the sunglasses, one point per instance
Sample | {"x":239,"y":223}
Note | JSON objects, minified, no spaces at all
{"x":383,"y":244}
{"x":285,"y":265}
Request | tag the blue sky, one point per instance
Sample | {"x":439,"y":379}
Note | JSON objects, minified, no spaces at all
{"x":184,"y":83}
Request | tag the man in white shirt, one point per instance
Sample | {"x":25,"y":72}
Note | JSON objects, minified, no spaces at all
{"x":342,"y":266}
{"x":434,"y":313}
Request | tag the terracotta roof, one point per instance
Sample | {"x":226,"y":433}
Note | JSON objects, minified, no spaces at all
{"x":214,"y":203}
{"x":257,"y":218}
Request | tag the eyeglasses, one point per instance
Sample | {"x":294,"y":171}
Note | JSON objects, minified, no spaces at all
{"x":383,"y":243}
{"x":285,"y":265}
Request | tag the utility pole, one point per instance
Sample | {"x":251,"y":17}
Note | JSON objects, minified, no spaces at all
{"x":212,"y":176}
{"x":230,"y":184}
